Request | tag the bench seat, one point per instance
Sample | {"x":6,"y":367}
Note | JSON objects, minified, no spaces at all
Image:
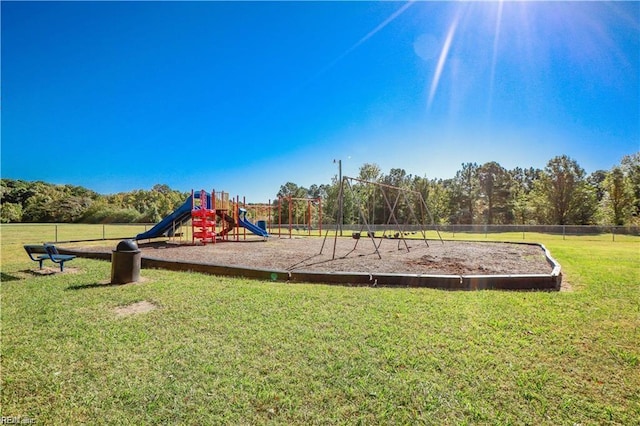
{"x":40,"y":253}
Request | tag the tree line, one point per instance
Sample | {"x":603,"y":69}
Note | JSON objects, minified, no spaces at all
{"x":41,"y":202}
{"x":560,"y":194}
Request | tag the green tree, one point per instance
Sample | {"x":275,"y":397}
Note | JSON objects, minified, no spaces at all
{"x":563,"y":194}
{"x":151,"y":205}
{"x":11,"y":212}
{"x":521,"y":200}
{"x":436,"y":197}
{"x":396,"y":201}
{"x":370,"y":172}
{"x":596,"y":181}
{"x":494,"y":191}
{"x":39,"y":207}
{"x":298,"y":209}
{"x":617,"y":203}
{"x":16,"y":191}
{"x":317,"y":191}
{"x":69,"y":209}
{"x":630,"y":165}
{"x":464,"y":194}
{"x":421,"y":185}
{"x":331,"y":207}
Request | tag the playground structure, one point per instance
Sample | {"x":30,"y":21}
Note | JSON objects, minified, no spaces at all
{"x":213,"y":218}
{"x":411,"y":200}
{"x":205,"y":215}
{"x":216,"y":217}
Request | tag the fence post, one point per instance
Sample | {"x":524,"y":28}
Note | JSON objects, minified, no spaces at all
{"x":613,"y":233}
{"x":103,"y":232}
{"x":563,"y":232}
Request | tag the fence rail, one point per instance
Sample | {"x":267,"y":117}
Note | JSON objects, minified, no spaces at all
{"x":59,"y":232}
{"x":63,"y":232}
{"x":563,"y":231}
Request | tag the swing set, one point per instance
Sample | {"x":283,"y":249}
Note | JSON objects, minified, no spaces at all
{"x":411,"y":200}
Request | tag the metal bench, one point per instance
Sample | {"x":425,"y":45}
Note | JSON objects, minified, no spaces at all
{"x":40,"y":253}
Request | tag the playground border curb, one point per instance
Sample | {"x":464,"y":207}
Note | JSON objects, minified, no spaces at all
{"x":544,"y":282}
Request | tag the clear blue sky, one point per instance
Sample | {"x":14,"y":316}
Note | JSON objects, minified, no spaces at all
{"x":244,"y":96}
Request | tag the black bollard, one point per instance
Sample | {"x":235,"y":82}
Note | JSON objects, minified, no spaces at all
{"x":125,"y":263}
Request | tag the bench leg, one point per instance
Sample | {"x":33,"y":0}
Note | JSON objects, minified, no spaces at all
{"x":41,"y":260}
{"x":62,"y":266}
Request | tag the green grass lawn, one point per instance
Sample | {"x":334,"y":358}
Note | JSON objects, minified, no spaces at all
{"x":222,"y":350}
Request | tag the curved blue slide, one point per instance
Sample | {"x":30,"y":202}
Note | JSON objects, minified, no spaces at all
{"x":242,"y":218}
{"x":182,"y":215}
{"x":166,"y":226}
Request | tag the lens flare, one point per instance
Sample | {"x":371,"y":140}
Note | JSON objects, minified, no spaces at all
{"x":442,"y":60}
{"x":494,"y":56}
{"x":366,"y":37}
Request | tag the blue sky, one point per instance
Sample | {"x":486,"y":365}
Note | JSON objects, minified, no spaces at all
{"x":246,"y":96}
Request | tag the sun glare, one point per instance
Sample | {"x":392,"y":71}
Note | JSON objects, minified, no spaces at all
{"x":496,"y":39}
{"x":442,"y":59}
{"x":483,"y":41}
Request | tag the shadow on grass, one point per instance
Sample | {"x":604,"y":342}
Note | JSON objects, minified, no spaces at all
{"x":6,"y":277}
{"x":92,"y":285}
{"x":104,"y":284}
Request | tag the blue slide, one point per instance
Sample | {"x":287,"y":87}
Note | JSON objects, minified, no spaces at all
{"x":166,"y":226}
{"x":182,"y":215}
{"x":242,"y":218}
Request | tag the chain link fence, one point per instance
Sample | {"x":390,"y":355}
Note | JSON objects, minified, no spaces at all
{"x":23,"y":233}
{"x":58,"y":233}
{"x":594,"y":232}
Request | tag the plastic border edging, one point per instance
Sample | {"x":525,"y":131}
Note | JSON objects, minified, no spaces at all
{"x":545,"y":282}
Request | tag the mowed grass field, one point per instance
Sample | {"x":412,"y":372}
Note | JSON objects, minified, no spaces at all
{"x":220,"y":350}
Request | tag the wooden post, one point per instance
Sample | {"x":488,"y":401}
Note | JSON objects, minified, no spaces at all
{"x":213,"y":207}
{"x":309,"y":210}
{"x":279,"y":216}
{"x":320,"y":217}
{"x":290,"y":216}
{"x":193,"y":205}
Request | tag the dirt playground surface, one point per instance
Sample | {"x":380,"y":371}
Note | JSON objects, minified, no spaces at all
{"x":303,"y":254}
